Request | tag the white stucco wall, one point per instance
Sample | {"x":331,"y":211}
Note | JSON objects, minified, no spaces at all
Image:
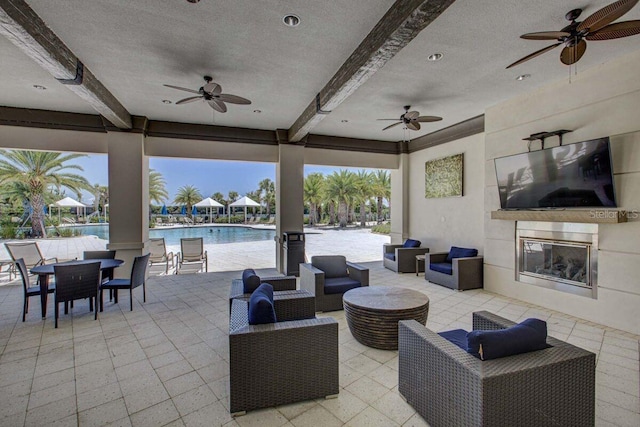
{"x":455,"y":221}
{"x":602,"y":101}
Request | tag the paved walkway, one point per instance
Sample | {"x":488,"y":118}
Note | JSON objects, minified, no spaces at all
{"x":358,"y":245}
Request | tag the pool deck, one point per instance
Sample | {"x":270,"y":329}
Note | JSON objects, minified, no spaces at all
{"x":358,"y":245}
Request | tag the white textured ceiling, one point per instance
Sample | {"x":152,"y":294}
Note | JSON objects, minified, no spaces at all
{"x":134,"y":47}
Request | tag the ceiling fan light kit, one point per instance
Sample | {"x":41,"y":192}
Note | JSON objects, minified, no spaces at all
{"x":597,"y":26}
{"x":212,"y":94}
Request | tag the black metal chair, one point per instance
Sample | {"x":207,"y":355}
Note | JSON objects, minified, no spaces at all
{"x":76,"y":280}
{"x":138,"y":277}
{"x":106,"y":274}
{"x":29,"y":291}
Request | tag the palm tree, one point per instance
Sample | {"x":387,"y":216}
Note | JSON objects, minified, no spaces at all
{"x":157,"y":187}
{"x":232,"y":197}
{"x":364,"y":192}
{"x":314,"y":194}
{"x":100,"y":197}
{"x":381,"y":189}
{"x":341,"y":188}
{"x":268,"y":189}
{"x":188,"y":195}
{"x":36,"y":173}
{"x":218,"y":197}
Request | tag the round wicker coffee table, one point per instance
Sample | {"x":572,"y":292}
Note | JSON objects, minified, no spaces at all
{"x":373,"y":312}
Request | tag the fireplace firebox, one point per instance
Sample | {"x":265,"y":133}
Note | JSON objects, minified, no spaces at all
{"x":561,"y":256}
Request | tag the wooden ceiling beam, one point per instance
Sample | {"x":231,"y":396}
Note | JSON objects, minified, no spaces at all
{"x":401,"y":24}
{"x":25,"y":29}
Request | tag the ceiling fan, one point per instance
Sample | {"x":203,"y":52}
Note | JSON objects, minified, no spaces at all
{"x":212,"y":93}
{"x":598,"y":26}
{"x":412,"y":119}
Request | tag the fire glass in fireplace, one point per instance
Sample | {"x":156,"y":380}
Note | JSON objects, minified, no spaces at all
{"x":568,"y":263}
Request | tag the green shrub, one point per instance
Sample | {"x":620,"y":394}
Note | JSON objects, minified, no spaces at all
{"x":8,"y":230}
{"x":381,"y":228}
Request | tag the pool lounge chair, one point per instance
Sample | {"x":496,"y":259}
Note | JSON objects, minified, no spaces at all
{"x":192,"y":256}
{"x":159,"y":254}
{"x":29,"y":252}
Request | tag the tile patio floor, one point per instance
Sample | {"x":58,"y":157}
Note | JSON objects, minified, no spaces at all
{"x":166,"y":363}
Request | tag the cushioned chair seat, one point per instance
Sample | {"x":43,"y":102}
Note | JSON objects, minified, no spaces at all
{"x":117,"y":283}
{"x":340,"y":285}
{"x":392,"y":257}
{"x":441,"y":267}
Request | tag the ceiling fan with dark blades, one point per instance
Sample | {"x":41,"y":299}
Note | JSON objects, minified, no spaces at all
{"x":212,"y":93}
{"x":412,"y":119}
{"x":598,"y":26}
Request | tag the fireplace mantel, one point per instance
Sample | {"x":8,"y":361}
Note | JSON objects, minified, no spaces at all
{"x":592,"y":216}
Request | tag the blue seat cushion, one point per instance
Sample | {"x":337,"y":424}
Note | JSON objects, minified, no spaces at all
{"x":392,"y":257}
{"x":456,"y":252}
{"x":442,"y":267}
{"x":410,"y":243}
{"x":529,"y":335}
{"x":457,"y":337}
{"x":339,"y":285}
{"x":261,"y":305}
{"x":250,"y":281}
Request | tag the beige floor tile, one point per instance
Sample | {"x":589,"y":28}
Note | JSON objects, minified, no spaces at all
{"x":183,"y":383}
{"x":269,"y":417}
{"x":385,"y":376}
{"x":47,"y":414}
{"x":416,"y":421}
{"x":157,"y":415}
{"x":316,"y":416}
{"x":292,"y":410}
{"x":103,"y":414}
{"x":394,"y":407}
{"x":99,"y":396}
{"x":194,"y":399}
{"x":213,"y":414}
{"x":370,"y":417}
{"x":345,"y":406}
{"x":367,"y":389}
{"x":145,"y":398}
{"x":52,"y":394}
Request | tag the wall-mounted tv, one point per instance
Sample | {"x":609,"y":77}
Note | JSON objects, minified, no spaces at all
{"x":575,"y":175}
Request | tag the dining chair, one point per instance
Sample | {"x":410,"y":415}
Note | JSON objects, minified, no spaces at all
{"x":29,"y":252}
{"x":159,"y":255}
{"x":138,"y":278}
{"x":192,"y":253}
{"x":108,"y":273}
{"x":76,"y":280}
{"x":29,"y":291}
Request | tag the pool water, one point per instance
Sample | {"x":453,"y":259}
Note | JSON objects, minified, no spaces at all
{"x":210,"y":234}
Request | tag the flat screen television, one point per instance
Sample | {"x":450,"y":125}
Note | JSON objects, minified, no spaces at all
{"x":568,"y":176}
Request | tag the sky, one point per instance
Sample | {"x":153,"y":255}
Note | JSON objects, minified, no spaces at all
{"x":208,"y":176}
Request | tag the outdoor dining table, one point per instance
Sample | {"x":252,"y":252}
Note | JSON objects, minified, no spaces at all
{"x":46,"y":270}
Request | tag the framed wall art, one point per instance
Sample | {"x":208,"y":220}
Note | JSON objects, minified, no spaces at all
{"x":443,"y":177}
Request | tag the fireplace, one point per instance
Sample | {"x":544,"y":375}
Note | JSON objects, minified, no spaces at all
{"x":561,"y":256}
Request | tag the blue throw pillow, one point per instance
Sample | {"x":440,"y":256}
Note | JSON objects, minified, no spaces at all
{"x":250,"y":281}
{"x":261,"y":305}
{"x":530,"y":335}
{"x":457,"y":252}
{"x":410,"y":243}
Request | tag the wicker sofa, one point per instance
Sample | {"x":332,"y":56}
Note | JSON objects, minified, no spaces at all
{"x":400,"y":258}
{"x":273,"y":364}
{"x":449,"y":387}
{"x":317,"y":277}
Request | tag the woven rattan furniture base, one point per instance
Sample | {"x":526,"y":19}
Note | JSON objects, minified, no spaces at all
{"x":373,"y":313}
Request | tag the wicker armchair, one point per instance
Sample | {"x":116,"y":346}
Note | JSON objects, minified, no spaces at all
{"x":466,"y":273}
{"x":280,"y":284}
{"x":401,"y":259}
{"x":317,"y":276}
{"x":273,"y":364}
{"x":449,"y":387}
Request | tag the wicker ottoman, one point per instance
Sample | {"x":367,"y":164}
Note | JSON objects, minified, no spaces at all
{"x":373,"y":313}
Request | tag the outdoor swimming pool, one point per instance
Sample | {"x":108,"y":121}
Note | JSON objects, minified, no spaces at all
{"x":210,"y":234}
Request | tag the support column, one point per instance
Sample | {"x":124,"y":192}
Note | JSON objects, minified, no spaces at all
{"x":400,"y":200}
{"x":128,"y":197}
{"x":289,"y":195}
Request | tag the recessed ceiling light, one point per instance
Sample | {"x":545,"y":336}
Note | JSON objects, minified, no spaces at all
{"x":193,"y":1}
{"x":257,"y":111}
{"x":166,"y":101}
{"x":345,"y":121}
{"x":39,"y":87}
{"x":291,"y":20}
{"x":523,"y":77}
{"x":435,"y":57}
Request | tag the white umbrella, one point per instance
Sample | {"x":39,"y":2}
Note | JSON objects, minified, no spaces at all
{"x":210,"y":204}
{"x":243,"y":202}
